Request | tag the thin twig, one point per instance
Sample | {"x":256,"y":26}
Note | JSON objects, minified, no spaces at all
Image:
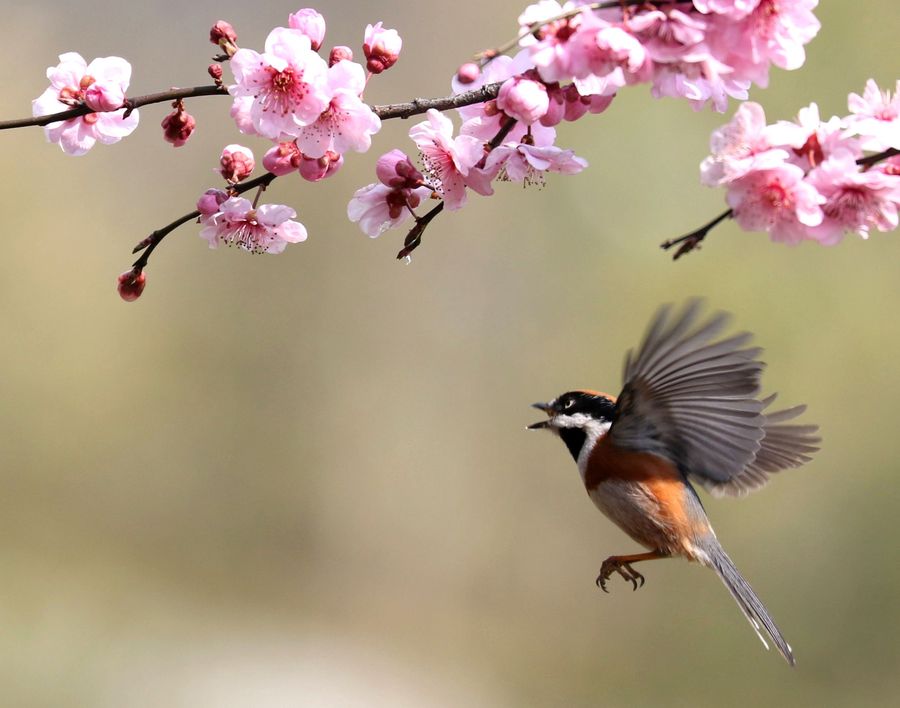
{"x":421,"y":105}
{"x":130,"y":105}
{"x":692,"y":240}
{"x":867,"y":162}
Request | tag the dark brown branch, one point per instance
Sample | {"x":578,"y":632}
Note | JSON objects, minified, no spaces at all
{"x":692,"y":240}
{"x":414,"y":237}
{"x":153,"y":240}
{"x":420,"y":105}
{"x":130,"y":104}
{"x":867,"y":162}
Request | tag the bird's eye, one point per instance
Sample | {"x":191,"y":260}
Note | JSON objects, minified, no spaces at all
{"x":569,"y":402}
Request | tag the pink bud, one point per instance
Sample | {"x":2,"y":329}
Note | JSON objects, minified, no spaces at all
{"x":310,"y":23}
{"x":236,"y":163}
{"x":394,"y":169}
{"x":523,"y":99}
{"x":210,"y":201}
{"x":468,"y":73}
{"x":315,"y":169}
{"x":223,"y":35}
{"x":101,"y":96}
{"x":381,"y":47}
{"x":283,"y":158}
{"x":178,"y":126}
{"x":131,"y":284}
{"x":340,"y":53}
{"x":556,"y":109}
{"x":215,"y":71}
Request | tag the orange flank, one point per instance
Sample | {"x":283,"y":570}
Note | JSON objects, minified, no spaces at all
{"x":659,"y":478}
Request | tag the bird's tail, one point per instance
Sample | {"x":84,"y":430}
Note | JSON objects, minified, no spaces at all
{"x":747,"y":600}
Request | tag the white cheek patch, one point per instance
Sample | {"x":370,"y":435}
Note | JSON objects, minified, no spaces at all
{"x":574,"y":420}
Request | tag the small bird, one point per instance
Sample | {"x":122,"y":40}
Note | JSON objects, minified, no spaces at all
{"x":689,"y":411}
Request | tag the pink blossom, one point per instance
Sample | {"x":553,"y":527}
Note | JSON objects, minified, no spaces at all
{"x":735,"y":9}
{"x":264,"y":229}
{"x":739,"y":147}
{"x":778,"y":201}
{"x":524,"y":99}
{"x":70,"y":80}
{"x":381,"y":47}
{"x":222,"y":34}
{"x":288,"y":83}
{"x":553,"y":52}
{"x":377,"y":207}
{"x":671,"y":35}
{"x":811,"y":139}
{"x":283,"y":158}
{"x":773,"y":32}
{"x":855,"y":200}
{"x":523,"y":163}
{"x":346,"y":123}
{"x":447,"y":159}
{"x":700,"y":82}
{"x":310,"y":23}
{"x":240,"y":113}
{"x":876,"y":117}
{"x":608,"y":57}
{"x":236,"y":163}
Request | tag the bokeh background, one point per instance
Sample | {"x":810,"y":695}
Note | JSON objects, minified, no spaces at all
{"x":305,"y":480}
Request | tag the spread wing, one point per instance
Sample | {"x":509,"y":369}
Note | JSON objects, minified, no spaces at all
{"x":782,"y":447}
{"x":693,"y":400}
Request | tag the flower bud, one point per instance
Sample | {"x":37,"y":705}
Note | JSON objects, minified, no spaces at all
{"x":310,"y":23}
{"x":131,"y":284}
{"x":210,"y":201}
{"x":468,"y":73}
{"x":381,"y":47}
{"x":215,"y":72}
{"x":283,"y":158}
{"x":236,"y":163}
{"x":178,"y":125}
{"x":223,"y":35}
{"x":314,"y":169}
{"x":340,"y":53}
{"x":523,"y":99}
{"x":394,"y":169}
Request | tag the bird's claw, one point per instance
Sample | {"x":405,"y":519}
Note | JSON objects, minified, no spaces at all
{"x":615,"y":565}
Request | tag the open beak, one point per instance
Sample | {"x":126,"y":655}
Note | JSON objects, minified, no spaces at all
{"x":548,"y":409}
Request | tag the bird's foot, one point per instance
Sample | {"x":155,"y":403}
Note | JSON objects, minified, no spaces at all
{"x":615,"y":564}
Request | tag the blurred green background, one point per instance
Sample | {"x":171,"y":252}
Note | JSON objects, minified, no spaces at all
{"x":305,"y":480}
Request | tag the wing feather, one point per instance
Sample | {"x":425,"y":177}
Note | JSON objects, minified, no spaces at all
{"x":695,"y":401}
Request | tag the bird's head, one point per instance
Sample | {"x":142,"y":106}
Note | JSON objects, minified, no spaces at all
{"x":577,"y":417}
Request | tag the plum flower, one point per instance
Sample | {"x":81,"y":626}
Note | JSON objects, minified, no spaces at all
{"x":265,"y":229}
{"x":377,"y":207}
{"x":855,"y":200}
{"x":739,"y":146}
{"x":876,"y":117}
{"x":346,"y":123}
{"x":101,"y":85}
{"x":287,"y":83}
{"x":523,"y":163}
{"x":309,"y":22}
{"x":778,"y":200}
{"x":447,"y":159}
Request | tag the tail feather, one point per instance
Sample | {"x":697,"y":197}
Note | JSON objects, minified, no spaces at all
{"x":747,"y":600}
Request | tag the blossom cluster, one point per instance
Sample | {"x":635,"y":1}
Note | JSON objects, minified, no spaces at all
{"x":704,"y":50}
{"x":572,"y":61}
{"x":810,"y":179}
